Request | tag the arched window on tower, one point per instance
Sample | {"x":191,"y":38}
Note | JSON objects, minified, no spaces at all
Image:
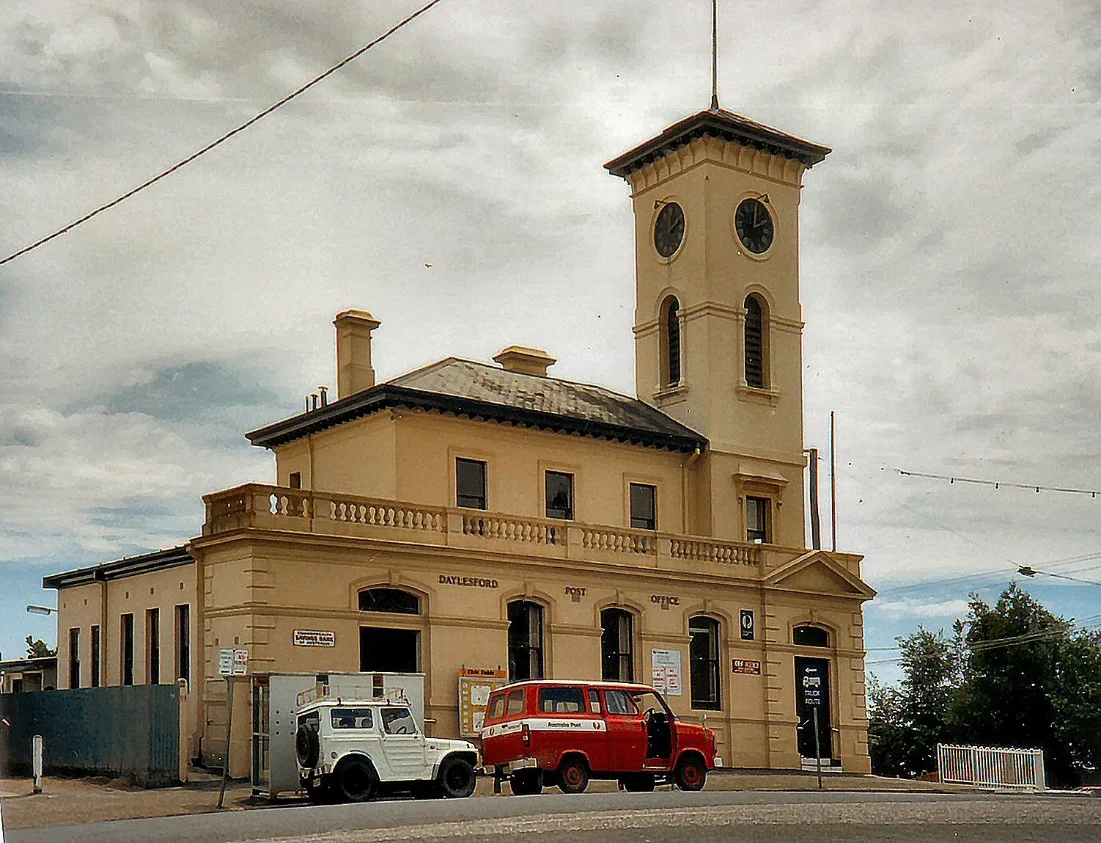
{"x":755,"y":337}
{"x":670,"y":342}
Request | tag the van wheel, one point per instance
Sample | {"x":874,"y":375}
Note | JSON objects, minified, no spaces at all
{"x":573,"y":775}
{"x":456,"y":778}
{"x":638,"y":783}
{"x":526,"y":782}
{"x":690,"y":774}
{"x":356,"y":780}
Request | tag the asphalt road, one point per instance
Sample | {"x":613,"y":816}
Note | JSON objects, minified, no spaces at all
{"x":662,"y":817}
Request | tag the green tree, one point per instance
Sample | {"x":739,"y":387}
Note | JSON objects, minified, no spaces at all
{"x":37,"y":649}
{"x":905,"y":724}
{"x":1011,"y":678}
{"x":1076,"y":699}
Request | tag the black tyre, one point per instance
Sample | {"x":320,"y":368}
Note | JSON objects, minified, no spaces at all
{"x":306,"y":746}
{"x":638,"y":782}
{"x":526,"y":782}
{"x":356,"y":780}
{"x":573,"y":775}
{"x":690,"y":774}
{"x":456,"y":778}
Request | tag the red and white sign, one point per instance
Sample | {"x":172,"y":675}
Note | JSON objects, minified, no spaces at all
{"x":747,"y":666}
{"x":314,"y":638}
{"x":665,"y":672}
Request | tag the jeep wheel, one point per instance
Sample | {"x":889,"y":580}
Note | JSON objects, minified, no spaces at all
{"x":456,"y":778}
{"x":638,"y":782}
{"x":526,"y":782}
{"x":306,"y":746}
{"x":356,"y":780}
{"x":573,"y":775}
{"x":690,"y":773}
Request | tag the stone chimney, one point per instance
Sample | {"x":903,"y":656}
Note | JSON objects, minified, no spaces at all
{"x":526,"y":361}
{"x":353,"y":352}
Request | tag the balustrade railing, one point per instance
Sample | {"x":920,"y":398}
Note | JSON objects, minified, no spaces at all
{"x":275,"y":507}
{"x":619,"y":541}
{"x":512,"y":529}
{"x":708,"y":550}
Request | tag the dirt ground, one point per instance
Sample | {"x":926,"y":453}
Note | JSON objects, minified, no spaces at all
{"x":64,"y":801}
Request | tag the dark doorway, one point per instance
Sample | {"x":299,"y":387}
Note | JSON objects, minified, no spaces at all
{"x":388,"y":650}
{"x":812,"y":678}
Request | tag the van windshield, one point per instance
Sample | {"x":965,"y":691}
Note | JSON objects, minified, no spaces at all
{"x":648,"y":701}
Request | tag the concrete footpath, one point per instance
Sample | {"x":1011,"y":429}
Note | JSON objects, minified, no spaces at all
{"x":99,"y":799}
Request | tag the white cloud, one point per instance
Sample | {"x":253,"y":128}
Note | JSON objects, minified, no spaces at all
{"x":919,"y":609}
{"x":949,"y":257}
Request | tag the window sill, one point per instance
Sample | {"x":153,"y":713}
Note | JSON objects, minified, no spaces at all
{"x":768,"y":397}
{"x":671,"y":394}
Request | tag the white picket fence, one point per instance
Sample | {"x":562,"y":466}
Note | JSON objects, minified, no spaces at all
{"x":993,"y":767}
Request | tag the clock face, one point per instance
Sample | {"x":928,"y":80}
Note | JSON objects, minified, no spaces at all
{"x":669,"y":229}
{"x":753,"y":225}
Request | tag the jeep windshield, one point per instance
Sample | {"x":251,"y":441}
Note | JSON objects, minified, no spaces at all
{"x":398,"y":721}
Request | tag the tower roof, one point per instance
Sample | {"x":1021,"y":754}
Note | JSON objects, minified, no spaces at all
{"x":718,"y":122}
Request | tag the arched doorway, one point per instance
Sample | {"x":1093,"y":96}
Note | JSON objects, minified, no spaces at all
{"x":812,"y":692}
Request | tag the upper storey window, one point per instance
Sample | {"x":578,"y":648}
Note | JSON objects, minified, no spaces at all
{"x":470,"y":483}
{"x":559,"y":495}
{"x":670,"y":342}
{"x":754,"y":343}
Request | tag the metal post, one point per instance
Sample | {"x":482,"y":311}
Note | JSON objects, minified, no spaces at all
{"x":815,"y":524}
{"x":36,"y":762}
{"x":714,"y":54}
{"x":833,"y":482}
{"x":229,"y":720}
{"x":817,"y":749}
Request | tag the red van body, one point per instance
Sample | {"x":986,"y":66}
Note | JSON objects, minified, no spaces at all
{"x":559,"y":732}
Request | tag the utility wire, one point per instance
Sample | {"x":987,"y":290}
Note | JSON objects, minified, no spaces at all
{"x":997,"y":484}
{"x":1015,"y":640}
{"x":178,"y":165}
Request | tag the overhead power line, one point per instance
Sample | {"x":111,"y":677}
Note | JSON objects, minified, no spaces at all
{"x":1048,"y":633}
{"x":998,"y":484}
{"x":183,"y":163}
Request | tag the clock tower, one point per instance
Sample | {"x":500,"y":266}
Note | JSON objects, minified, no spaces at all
{"x":718,"y":325}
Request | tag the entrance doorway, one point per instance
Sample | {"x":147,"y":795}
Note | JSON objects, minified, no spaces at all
{"x":810,"y":675}
{"x":383,"y":650}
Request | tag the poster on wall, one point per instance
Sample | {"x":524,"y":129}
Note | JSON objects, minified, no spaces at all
{"x":665,"y":672}
{"x":475,"y":686}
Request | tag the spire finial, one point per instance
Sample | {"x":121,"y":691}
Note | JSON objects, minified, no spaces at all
{"x":715,"y":54}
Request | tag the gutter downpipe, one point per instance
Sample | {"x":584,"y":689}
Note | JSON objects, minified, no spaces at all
{"x":685,"y":466}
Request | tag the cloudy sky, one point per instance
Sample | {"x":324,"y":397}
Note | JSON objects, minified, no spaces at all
{"x":949,"y":250}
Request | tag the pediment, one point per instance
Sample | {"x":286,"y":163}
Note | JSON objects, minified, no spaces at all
{"x":818,"y":572}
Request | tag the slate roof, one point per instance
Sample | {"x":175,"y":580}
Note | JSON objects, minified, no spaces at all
{"x":158,"y":560}
{"x":720,"y":123}
{"x":478,"y":390}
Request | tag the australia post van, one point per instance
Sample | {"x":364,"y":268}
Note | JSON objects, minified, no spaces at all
{"x":556,"y":732}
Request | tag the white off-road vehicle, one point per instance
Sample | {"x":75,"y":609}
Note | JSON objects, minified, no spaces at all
{"x":352,"y":750}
